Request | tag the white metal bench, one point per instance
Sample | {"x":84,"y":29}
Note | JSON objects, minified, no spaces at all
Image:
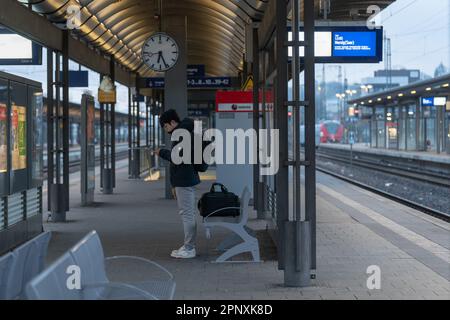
{"x":240,"y":240}
{"x":27,"y":261}
{"x":95,"y":285}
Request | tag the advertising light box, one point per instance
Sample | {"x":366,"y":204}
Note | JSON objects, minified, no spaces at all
{"x":344,"y":44}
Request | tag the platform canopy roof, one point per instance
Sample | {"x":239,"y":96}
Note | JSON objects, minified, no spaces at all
{"x":216,"y":28}
{"x":429,"y":87}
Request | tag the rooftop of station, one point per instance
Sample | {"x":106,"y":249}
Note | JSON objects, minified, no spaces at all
{"x":434,"y":86}
{"x":216,"y":35}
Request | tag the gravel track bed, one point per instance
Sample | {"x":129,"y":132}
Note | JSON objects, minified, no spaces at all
{"x":423,"y":193}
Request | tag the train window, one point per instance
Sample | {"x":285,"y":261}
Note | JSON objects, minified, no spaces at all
{"x":332,"y":127}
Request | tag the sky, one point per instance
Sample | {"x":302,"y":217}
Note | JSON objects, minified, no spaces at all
{"x":420,"y":39}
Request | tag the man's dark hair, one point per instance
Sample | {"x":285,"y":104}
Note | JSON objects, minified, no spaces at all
{"x":168,"y":116}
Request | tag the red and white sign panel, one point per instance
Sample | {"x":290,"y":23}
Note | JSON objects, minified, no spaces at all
{"x":240,"y":101}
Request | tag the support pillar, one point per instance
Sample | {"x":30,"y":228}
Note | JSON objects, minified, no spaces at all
{"x":257,"y":185}
{"x":58,"y":132}
{"x":175,"y":89}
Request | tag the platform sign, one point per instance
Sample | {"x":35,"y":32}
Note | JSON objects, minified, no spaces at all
{"x":240,"y":101}
{"x":87,"y":149}
{"x":351,"y":138}
{"x":209,"y":82}
{"x":433,"y":101}
{"x":77,"y":78}
{"x":195,"y":70}
{"x":354,"y":44}
{"x":192,"y":83}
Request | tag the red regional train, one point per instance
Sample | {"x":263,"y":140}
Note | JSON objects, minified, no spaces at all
{"x":331,"y":132}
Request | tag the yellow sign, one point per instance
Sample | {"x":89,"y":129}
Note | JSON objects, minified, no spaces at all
{"x":248,"y":85}
{"x":106,"y":96}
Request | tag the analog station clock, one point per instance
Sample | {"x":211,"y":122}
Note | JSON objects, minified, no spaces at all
{"x":160,"y":52}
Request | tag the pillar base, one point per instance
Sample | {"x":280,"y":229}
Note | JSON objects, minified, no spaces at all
{"x":134,"y":164}
{"x":107,"y":181}
{"x":58,"y":202}
{"x":297,"y":274}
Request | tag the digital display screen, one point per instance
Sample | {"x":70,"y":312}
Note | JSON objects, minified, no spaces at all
{"x":322,"y":44}
{"x":17,"y":50}
{"x":13,"y":46}
{"x":354,"y":44}
{"x":344,"y":45}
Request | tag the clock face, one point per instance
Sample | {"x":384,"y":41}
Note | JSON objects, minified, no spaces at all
{"x":160,"y":52}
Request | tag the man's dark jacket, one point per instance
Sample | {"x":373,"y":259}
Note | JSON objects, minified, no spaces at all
{"x":182,"y":175}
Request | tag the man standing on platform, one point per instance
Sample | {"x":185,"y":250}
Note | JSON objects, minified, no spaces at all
{"x":183,"y":178}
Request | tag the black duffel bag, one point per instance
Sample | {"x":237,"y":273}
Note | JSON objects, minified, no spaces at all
{"x":214,"y":200}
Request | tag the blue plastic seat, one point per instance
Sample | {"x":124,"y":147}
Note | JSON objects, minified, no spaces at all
{"x":28,"y":261}
{"x":51,"y":284}
{"x":5,"y":270}
{"x":88,"y":255}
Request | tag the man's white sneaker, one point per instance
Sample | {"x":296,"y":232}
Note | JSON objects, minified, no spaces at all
{"x":176,"y":250}
{"x":183,"y":253}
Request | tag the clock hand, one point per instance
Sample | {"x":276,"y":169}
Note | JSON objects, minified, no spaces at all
{"x":164,"y":61}
{"x":159,"y":56}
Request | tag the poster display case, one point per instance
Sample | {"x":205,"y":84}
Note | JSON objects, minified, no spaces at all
{"x":4,"y":137}
{"x":36,"y":172}
{"x":21,"y":160}
{"x":18,"y":136}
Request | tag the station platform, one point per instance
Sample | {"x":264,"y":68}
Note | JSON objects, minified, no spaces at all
{"x":443,"y":157}
{"x":355,"y":229}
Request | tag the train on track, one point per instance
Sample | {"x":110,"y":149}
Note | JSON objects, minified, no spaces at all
{"x":329,"y":131}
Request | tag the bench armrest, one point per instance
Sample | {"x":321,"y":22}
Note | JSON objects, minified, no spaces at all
{"x":123,"y":287}
{"x":143,"y":260}
{"x":218,"y":210}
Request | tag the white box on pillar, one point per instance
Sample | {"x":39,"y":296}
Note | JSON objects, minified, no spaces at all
{"x":234,"y":112}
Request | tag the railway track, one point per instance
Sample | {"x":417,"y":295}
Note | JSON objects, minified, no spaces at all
{"x":430,"y":211}
{"x":387,"y":167}
{"x":75,"y":164}
{"x":393,"y":170}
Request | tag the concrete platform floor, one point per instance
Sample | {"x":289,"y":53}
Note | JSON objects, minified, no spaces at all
{"x":355,"y":229}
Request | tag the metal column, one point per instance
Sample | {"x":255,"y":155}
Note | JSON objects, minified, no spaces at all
{"x":257,"y":185}
{"x":281,"y":123}
{"x":296,"y":234}
{"x":310,"y":116}
{"x":107,"y":140}
{"x":58,"y":133}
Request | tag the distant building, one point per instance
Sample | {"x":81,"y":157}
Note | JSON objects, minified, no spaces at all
{"x":385,"y":79}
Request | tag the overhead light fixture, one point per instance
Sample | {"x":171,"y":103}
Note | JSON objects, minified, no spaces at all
{"x":445,"y":85}
{"x":379,"y":99}
{"x":370,"y":101}
{"x":428,"y":89}
{"x":413,"y":92}
{"x":400,"y":94}
{"x":389,"y":97}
